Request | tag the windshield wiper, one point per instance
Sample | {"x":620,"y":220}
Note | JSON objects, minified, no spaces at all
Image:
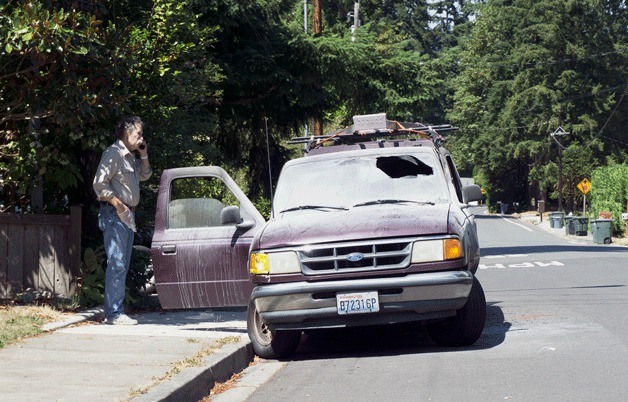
{"x":312,"y":207}
{"x":379,"y":202}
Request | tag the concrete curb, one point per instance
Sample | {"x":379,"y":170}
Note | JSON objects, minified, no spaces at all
{"x":194,"y":384}
{"x":91,"y":314}
{"x":252,"y":378}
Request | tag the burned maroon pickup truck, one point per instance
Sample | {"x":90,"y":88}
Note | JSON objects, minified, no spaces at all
{"x":372,"y":226}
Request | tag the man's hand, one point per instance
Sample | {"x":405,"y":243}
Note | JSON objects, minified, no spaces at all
{"x":143,"y":150}
{"x":118,"y":205}
{"x":128,"y":218}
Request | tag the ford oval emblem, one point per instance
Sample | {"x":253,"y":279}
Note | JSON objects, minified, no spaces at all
{"x":355,"y":257}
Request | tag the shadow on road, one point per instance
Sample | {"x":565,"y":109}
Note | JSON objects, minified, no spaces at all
{"x":489,"y":251}
{"x":392,"y":340}
{"x":489,"y":216}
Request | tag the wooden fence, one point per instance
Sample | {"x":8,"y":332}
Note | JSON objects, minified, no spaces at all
{"x":40,"y":252}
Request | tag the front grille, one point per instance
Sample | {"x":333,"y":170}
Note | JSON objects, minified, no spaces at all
{"x":356,"y":256}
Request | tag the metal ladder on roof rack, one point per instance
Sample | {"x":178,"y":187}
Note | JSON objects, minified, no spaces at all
{"x":375,"y":126}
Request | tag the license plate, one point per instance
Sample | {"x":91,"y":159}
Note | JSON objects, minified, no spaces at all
{"x":358,"y":302}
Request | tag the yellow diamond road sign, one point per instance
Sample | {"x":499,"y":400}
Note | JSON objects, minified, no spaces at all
{"x":584,"y":186}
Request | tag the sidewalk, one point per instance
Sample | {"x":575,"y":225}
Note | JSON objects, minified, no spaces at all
{"x":535,"y":219}
{"x":97,"y":362}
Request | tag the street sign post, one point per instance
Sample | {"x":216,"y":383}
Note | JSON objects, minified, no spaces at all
{"x":559,"y":133}
{"x":584,"y":186}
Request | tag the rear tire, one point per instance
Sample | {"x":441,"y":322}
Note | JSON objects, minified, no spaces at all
{"x":467,"y":325}
{"x":269,"y":344}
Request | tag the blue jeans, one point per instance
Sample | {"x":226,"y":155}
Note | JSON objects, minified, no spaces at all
{"x":118,"y":240}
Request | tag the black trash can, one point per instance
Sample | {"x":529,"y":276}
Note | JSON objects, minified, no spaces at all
{"x":570,"y":226}
{"x":581,"y":225}
{"x":602,"y":230}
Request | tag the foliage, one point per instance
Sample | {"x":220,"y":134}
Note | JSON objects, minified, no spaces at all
{"x":93,"y":268}
{"x":609,"y":192}
{"x":263,"y":205}
{"x":58,"y":79}
{"x":578,"y":163}
{"x":92,"y":285}
{"x":139,"y":275}
{"x":527,"y":68}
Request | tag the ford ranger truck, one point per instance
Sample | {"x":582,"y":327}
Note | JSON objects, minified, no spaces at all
{"x":371,"y":227}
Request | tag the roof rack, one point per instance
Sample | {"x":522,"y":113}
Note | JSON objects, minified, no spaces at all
{"x":375,"y":126}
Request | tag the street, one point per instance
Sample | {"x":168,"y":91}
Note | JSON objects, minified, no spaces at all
{"x":557,"y":329}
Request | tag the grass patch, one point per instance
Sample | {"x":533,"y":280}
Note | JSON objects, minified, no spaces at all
{"x":18,"y":322}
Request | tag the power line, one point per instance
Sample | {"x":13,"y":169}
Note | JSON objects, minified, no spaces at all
{"x":599,"y":134}
{"x":553,"y":62}
{"x":590,"y":94}
{"x":522,"y":127}
{"x":613,"y":112}
{"x":613,"y":140}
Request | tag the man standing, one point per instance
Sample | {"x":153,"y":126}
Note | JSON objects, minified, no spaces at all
{"x":117,"y":186}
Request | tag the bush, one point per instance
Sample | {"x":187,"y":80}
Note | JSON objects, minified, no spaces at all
{"x":93,"y":269}
{"x":609,"y":192}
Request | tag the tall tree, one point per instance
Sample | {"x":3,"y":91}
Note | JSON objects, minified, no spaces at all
{"x":527,"y":68}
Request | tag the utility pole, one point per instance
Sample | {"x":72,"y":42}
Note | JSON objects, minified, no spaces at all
{"x":305,"y":17}
{"x":305,"y":30}
{"x":356,"y":19}
{"x":317,"y":29}
{"x":317,"y":20}
{"x":558,"y":133}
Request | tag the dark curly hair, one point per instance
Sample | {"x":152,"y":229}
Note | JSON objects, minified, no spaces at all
{"x":126,"y":124}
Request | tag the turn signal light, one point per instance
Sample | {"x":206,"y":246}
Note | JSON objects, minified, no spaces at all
{"x":259,"y":264}
{"x":452,"y":249}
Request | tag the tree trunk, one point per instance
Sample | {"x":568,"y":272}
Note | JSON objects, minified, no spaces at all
{"x":317,"y":20}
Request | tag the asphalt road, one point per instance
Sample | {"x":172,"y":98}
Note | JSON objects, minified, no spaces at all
{"x":557,"y":329}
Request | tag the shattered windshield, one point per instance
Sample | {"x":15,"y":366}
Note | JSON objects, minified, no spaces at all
{"x":363,"y":180}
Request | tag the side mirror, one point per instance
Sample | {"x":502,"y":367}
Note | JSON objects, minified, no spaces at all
{"x":231,"y":216}
{"x":471,"y":192}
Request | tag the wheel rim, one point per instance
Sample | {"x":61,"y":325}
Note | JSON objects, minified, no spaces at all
{"x":264,"y":333}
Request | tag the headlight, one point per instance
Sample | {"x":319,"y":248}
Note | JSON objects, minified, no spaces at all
{"x":436,"y":250}
{"x":285,"y":262}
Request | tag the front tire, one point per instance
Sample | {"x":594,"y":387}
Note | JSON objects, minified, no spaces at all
{"x":269,"y":344}
{"x":467,"y":325}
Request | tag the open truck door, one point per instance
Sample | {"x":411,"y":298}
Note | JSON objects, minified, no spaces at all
{"x":204,"y":226}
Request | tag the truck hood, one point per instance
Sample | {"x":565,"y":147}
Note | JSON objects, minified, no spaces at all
{"x":378,"y":221}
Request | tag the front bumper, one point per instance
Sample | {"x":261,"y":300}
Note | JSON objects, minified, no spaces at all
{"x":416,"y":297}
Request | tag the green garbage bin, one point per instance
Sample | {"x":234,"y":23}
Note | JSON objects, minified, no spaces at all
{"x":602,"y":230}
{"x":570,"y":226}
{"x":581,"y":225}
